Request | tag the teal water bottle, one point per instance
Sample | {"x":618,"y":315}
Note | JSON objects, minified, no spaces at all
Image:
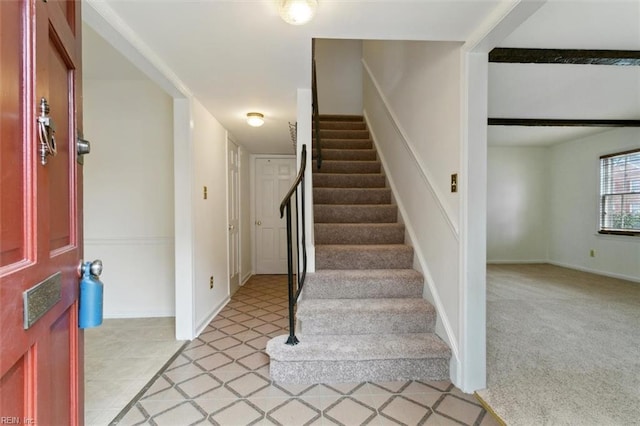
{"x":91,"y":295}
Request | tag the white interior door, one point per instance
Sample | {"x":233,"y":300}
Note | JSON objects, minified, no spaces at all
{"x":233,"y":216}
{"x":274,"y":177}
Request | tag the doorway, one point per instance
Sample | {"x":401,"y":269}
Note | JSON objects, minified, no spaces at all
{"x":273,"y":178}
{"x":233,"y":169}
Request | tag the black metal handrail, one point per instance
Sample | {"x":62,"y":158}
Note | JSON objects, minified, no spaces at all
{"x":285,"y":207}
{"x":316,"y":109}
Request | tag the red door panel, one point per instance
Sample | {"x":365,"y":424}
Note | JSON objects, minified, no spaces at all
{"x":12,"y":182}
{"x":40,"y":363}
{"x":60,"y":184}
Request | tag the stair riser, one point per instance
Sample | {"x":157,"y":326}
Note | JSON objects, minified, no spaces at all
{"x":357,"y":290}
{"x":351,"y":196}
{"x":367,"y":323}
{"x":347,"y":154}
{"x":344,"y":144}
{"x":329,"y":180}
{"x":302,"y":372}
{"x":347,"y":167}
{"x":344,"y":134}
{"x":336,"y":117}
{"x":362,"y":259}
{"x":341,"y":125}
{"x":335,"y":213}
{"x":338,"y":234}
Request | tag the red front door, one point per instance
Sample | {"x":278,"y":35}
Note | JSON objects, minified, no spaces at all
{"x":41,"y":373}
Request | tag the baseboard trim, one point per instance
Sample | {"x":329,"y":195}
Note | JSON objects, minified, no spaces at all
{"x":429,"y":282}
{"x":489,"y":409}
{"x":124,"y":315}
{"x":596,"y":271}
{"x":246,"y":278}
{"x":516,"y":262}
{"x":203,"y":324}
{"x":129,"y":241}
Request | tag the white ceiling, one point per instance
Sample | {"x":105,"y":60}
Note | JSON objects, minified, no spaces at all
{"x":567,"y":91}
{"x":239,"y":56}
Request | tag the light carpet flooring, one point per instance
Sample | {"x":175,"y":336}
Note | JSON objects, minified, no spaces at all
{"x":222,"y":378}
{"x":121,"y":356}
{"x":563,"y":347}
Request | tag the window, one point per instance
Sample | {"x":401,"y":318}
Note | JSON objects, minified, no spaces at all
{"x":620,"y":193}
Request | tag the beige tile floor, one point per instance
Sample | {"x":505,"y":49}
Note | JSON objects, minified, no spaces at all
{"x":121,"y":356}
{"x":222,"y":378}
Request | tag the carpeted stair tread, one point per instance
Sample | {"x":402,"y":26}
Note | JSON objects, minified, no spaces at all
{"x":359,"y":233}
{"x":345,"y":143}
{"x":354,"y":213}
{"x":349,"y":180}
{"x":365,"y":316}
{"x":379,"y":256}
{"x":341,"y":166}
{"x":329,"y":154}
{"x":340,"y":117}
{"x":359,"y":347}
{"x":367,"y":283}
{"x":352,"y":195}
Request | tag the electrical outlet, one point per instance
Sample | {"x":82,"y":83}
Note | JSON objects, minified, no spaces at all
{"x":592,"y":253}
{"x":211,"y":282}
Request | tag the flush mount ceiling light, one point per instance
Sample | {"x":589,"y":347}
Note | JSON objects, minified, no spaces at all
{"x":298,"y":12}
{"x":255,"y":119}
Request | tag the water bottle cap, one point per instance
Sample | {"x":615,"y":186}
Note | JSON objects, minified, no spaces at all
{"x":96,"y":267}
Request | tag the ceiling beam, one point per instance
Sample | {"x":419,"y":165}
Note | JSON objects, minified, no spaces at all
{"x":549,"y":122}
{"x":565,"y":56}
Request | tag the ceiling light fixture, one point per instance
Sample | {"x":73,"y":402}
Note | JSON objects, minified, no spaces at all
{"x":255,"y":119}
{"x":298,"y":12}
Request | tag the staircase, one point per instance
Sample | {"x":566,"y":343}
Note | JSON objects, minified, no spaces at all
{"x":361,"y":316}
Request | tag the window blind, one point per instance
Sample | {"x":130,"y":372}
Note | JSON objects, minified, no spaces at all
{"x":620,"y":193}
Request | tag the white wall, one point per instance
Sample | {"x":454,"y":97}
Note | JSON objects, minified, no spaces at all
{"x":245,"y":216}
{"x":517,"y":204}
{"x":128,"y":194}
{"x":210,"y":251}
{"x":412,"y":104}
{"x":574,"y":177}
{"x":339,"y":75}
{"x":543,"y":206}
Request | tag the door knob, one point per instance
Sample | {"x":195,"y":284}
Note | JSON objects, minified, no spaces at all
{"x":83,"y":147}
{"x":258,"y":222}
{"x":231,"y":227}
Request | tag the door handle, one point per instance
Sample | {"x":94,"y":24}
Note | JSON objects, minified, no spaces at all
{"x":258,"y":222}
{"x":46,"y":133}
{"x":231,"y":227}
